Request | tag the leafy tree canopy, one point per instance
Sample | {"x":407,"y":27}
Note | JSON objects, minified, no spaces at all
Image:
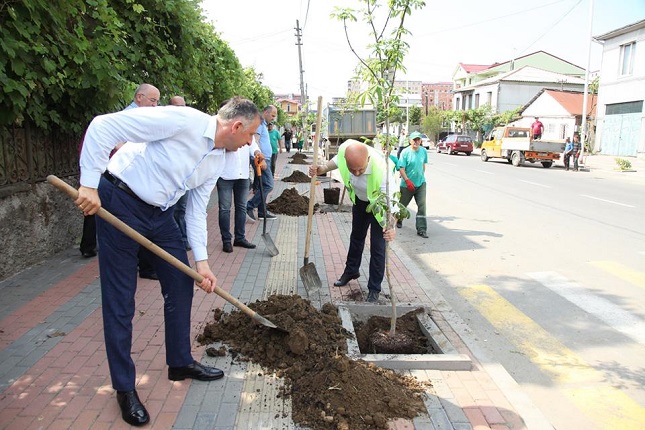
{"x":68,"y":61}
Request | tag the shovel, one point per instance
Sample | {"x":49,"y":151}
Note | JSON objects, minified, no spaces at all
{"x":308,"y":272}
{"x":161,"y":253}
{"x":273,"y":250}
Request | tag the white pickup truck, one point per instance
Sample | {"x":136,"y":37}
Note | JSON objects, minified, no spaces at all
{"x":515,"y":145}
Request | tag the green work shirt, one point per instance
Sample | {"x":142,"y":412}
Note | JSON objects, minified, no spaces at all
{"x":274,"y":137}
{"x":412,"y":161}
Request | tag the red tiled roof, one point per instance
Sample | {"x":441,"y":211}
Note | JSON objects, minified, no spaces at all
{"x":571,"y":101}
{"x":474,"y":68}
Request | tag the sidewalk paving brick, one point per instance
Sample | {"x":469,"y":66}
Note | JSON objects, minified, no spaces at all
{"x":54,"y":373}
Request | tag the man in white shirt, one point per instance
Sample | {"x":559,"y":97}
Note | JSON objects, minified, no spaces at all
{"x":233,"y":187}
{"x":185,"y":151}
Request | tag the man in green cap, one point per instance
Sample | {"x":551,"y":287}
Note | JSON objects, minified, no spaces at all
{"x":412,"y":166}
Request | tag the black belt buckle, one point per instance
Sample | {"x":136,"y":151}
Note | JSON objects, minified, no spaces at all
{"x":120,"y":185}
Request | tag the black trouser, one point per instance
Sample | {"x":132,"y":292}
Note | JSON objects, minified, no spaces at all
{"x":88,"y":240}
{"x":361,"y":222}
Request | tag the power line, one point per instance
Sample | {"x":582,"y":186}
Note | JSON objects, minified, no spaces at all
{"x":488,"y":20}
{"x":550,"y":28}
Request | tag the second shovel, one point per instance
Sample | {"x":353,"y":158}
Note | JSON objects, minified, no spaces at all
{"x":273,"y":250}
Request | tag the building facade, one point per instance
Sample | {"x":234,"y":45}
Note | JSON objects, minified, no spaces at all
{"x":438,"y":94}
{"x":620,"y":123}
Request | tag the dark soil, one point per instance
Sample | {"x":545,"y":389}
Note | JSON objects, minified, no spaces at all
{"x":328,"y":390}
{"x":298,"y":155}
{"x":297,"y":176}
{"x":291,"y":203}
{"x":299,"y":161}
{"x":373,"y":335}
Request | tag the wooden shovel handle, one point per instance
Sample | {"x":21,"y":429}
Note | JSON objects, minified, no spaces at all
{"x":312,"y":188}
{"x":161,"y":253}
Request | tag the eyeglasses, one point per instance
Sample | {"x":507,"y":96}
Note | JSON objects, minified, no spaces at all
{"x":152,"y":99}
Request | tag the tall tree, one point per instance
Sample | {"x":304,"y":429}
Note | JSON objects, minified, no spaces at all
{"x":378,"y":70}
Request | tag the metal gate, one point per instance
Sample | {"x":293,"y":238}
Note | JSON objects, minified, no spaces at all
{"x":621,"y":129}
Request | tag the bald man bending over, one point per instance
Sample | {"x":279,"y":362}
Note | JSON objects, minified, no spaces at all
{"x":364,"y":171}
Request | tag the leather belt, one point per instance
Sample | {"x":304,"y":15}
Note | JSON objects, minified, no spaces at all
{"x":122,"y":186}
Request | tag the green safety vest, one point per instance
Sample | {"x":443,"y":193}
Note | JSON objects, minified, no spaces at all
{"x":374,"y":179}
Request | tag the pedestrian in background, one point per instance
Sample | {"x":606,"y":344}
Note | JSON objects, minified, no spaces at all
{"x":276,"y":146}
{"x":575,"y":151}
{"x":412,"y":166}
{"x":404,"y":142}
{"x":567,"y":153}
{"x":537,"y":128}
{"x":180,"y":206}
{"x":145,"y":95}
{"x":287,"y":135}
{"x":233,"y":189}
{"x":266,"y":176}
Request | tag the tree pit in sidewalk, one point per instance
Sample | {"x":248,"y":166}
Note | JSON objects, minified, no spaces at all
{"x":297,"y":176}
{"x":373,"y":336}
{"x":290,"y":202}
{"x":328,"y":390}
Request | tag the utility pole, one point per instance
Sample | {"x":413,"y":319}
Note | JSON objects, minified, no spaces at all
{"x":585,"y":96}
{"x":303,"y":96}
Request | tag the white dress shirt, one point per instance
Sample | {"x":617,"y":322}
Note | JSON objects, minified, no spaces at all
{"x":179,"y":156}
{"x":237,"y":162}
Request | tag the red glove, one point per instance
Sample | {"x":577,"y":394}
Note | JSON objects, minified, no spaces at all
{"x":409,"y":184}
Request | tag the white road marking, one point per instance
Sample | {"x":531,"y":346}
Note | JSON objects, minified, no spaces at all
{"x":604,"y":310}
{"x":535,"y":183}
{"x":608,"y":201}
{"x":484,"y":171}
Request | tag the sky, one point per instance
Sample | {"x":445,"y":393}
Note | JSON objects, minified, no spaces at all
{"x":444,"y":33}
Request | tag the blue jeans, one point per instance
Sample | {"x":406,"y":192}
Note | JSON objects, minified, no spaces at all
{"x":419,"y":195}
{"x":267,"y":184}
{"x":236,"y":190}
{"x":118,"y":270}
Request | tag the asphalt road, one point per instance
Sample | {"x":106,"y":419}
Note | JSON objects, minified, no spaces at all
{"x":547,"y":267}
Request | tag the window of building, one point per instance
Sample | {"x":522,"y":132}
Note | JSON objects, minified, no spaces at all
{"x":627,"y":58}
{"x":476,"y":101}
{"x":624,"y":108}
{"x":489,"y":98}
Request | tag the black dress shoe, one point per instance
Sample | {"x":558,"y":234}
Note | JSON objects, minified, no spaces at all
{"x":88,"y":254}
{"x":195,"y":371}
{"x":227,"y":247}
{"x":344,"y":279}
{"x":152,"y":275}
{"x":244,"y":244}
{"x":132,"y":410}
{"x":372,"y":296}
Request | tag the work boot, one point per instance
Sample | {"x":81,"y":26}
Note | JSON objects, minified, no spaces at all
{"x":372,"y":296}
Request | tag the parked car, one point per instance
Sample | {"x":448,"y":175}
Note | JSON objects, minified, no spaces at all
{"x":425,"y":141}
{"x":456,"y":143}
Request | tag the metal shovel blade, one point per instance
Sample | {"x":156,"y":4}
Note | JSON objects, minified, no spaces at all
{"x":273,"y":250}
{"x":310,"y":278}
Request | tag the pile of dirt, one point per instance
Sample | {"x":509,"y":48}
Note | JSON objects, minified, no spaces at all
{"x":299,"y":158}
{"x":327,"y":389}
{"x":297,"y":176}
{"x":291,"y":203}
{"x":299,"y":161}
{"x":407,"y":326}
